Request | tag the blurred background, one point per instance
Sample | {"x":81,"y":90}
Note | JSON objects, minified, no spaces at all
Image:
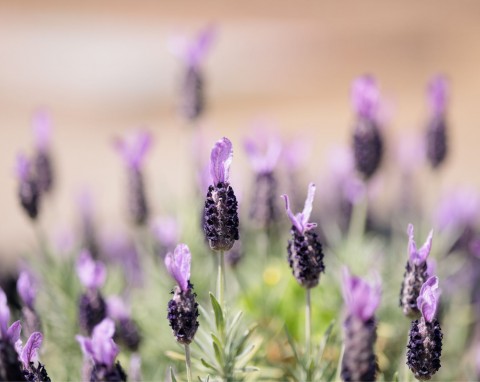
{"x":104,"y":68}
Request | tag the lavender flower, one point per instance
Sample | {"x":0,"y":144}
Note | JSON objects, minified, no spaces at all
{"x":10,"y":366}
{"x":359,"y":362}
{"x":27,"y":290}
{"x":166,"y":231}
{"x":28,"y":188}
{"x":367,"y":140}
{"x":305,"y":254}
{"x":437,"y":93}
{"x":92,"y":306}
{"x":425,"y":338}
{"x":415,"y":273}
{"x":28,"y":356}
{"x":220,"y":213}
{"x":43,"y":163}
{"x":264,"y":152}
{"x":86,"y":209}
{"x":182,"y":308}
{"x":101,"y":350}
{"x":192,"y":53}
{"x":127,"y":330}
{"x":133,"y":149}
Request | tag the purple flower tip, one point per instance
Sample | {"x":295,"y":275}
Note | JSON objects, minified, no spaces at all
{"x":365,"y":96}
{"x":42,"y":129}
{"x":418,"y":256}
{"x":300,"y":220}
{"x":361,"y":298}
{"x":438,"y":94}
{"x":263,"y":151}
{"x":178,"y":265}
{"x":92,"y":273}
{"x":427,"y":300}
{"x":101,"y":347}
{"x":220,"y":161}
{"x":117,"y":308}
{"x":26,"y":288}
{"x":22,"y":167}
{"x":29,"y":352}
{"x":193,"y":52}
{"x":166,"y":230}
{"x":134,"y":148}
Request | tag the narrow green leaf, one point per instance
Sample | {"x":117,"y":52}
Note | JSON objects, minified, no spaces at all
{"x":325,"y":338}
{"x":395,"y":377}
{"x":218,"y":354}
{"x":217,"y":309}
{"x":245,"y":338}
{"x":173,"y":355}
{"x":172,"y":375}
{"x":292,"y":345}
{"x":208,"y":365}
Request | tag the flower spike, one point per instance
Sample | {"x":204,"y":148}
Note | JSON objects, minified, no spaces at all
{"x":438,"y":94}
{"x":428,"y":300}
{"x":418,"y":256}
{"x":365,"y":96}
{"x":178,"y":265}
{"x":220,"y":161}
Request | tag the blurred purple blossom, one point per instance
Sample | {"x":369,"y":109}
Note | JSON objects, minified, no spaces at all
{"x":410,"y":152}
{"x":418,"y":256}
{"x":193,"y":52}
{"x":29,"y":353}
{"x":117,"y":308}
{"x":92,"y":273}
{"x":263,"y":148}
{"x":134,"y":147}
{"x":100,"y":347}
{"x":166,"y":231}
{"x":178,"y":265}
{"x":427,"y":301}
{"x":458,"y":209}
{"x":365,"y":96}
{"x":22,"y":167}
{"x":438,"y":93}
{"x":431,"y":267}
{"x":295,"y":153}
{"x":42,"y":126}
{"x":300,"y":220}
{"x":361,"y":298}
{"x":27,"y":288}
{"x":12,"y":332}
{"x":220,"y":161}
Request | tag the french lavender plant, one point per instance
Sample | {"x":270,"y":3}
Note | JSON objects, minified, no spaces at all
{"x":425,"y":338}
{"x":28,"y":188}
{"x":101,"y":350}
{"x":192,"y":54}
{"x":43,"y":161}
{"x":305,"y":254}
{"x":436,"y":139}
{"x":91,"y":307}
{"x":33,"y":370}
{"x":27,"y":290}
{"x":133,"y":150}
{"x":126,"y":330}
{"x":359,"y":362}
{"x":220,"y":211}
{"x":182,"y":308}
{"x":367,"y":138}
{"x":415,"y":274}
{"x":264,"y":153}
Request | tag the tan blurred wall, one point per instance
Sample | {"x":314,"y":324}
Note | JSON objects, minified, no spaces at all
{"x":104,"y":68}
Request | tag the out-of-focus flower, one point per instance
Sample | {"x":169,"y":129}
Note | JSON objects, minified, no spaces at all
{"x":27,"y":290}
{"x":359,"y":362}
{"x":415,"y":273}
{"x":166,"y":231}
{"x":101,"y":350}
{"x":29,"y":355}
{"x":28,"y":188}
{"x":220,"y":213}
{"x":367,"y":140}
{"x":458,"y":209}
{"x":305,"y":254}
{"x":425,"y":338}
{"x":86,"y":208}
{"x":133,"y":150}
{"x":43,"y":162}
{"x":182,"y":308}
{"x":127,"y":330}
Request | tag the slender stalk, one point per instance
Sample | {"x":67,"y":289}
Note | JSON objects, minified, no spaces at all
{"x":358,"y":220}
{"x":221,"y":278}
{"x":308,"y":326}
{"x":338,"y":375}
{"x":188,"y":363}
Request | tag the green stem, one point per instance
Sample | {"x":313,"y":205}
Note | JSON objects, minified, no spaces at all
{"x":358,"y":220}
{"x":308,"y":326}
{"x":188,"y":363}
{"x":338,"y":375}
{"x":221,"y":278}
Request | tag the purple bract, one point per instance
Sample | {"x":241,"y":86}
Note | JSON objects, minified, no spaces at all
{"x":418,"y":256}
{"x":427,"y":301}
{"x":178,"y":265}
{"x":300,"y":220}
{"x":220,"y":161}
{"x":361,"y":298}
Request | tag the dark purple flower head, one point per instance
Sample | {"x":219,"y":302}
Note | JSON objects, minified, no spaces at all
{"x":365,"y":97}
{"x":100,"y":347}
{"x":427,"y":301}
{"x":134,"y":148}
{"x":42,"y":127}
{"x":263,"y":150}
{"x":29,"y":352}
{"x":418,"y":256}
{"x":12,"y":332}
{"x":26,"y":288}
{"x":178,"y":265}
{"x":300,"y":220}
{"x":361,"y":298}
{"x":220,"y":161}
{"x":438,"y":93}
{"x":22,"y":167}
{"x":92,"y":273}
{"x":193,"y":52}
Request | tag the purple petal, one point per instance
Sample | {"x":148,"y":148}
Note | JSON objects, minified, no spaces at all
{"x":86,"y":346}
{"x":104,"y":348}
{"x":220,"y":160}
{"x":31,"y":348}
{"x":178,"y":265}
{"x":365,"y":96}
{"x":4,"y":313}
{"x":200,"y":46}
{"x":361,"y":298}
{"x":134,"y":148}
{"x":26,"y":289}
{"x":438,"y":94}
{"x":22,"y":167}
{"x":290,"y":214}
{"x":307,"y":209}
{"x":427,"y":301}
{"x":117,"y":309}
{"x":418,"y":256}
{"x":92,"y":273}
{"x":13,"y":332}
{"x":458,"y":209}
{"x":42,"y":129}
